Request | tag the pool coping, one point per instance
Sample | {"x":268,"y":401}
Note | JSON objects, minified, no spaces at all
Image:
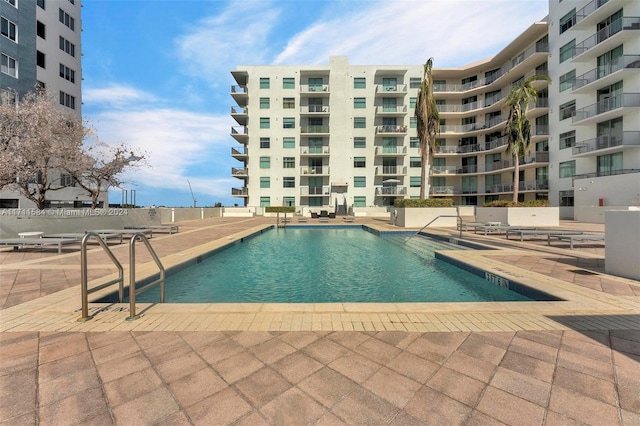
{"x":60,"y":311}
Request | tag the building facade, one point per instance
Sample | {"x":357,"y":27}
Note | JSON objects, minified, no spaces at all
{"x":41,"y":48}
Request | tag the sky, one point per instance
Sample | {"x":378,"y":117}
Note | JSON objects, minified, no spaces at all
{"x":157,"y":73}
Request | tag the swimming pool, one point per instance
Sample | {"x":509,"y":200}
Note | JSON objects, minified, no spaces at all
{"x":311,"y":265}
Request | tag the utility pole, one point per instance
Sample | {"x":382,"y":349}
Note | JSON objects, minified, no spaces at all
{"x":192,"y":196}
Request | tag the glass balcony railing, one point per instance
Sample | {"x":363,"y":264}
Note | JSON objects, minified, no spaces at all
{"x":606,"y":105}
{"x":589,"y":9}
{"x":624,"y":23}
{"x":239,"y":192}
{"x":314,"y":129}
{"x":617,"y":64}
{"x":629,"y":138}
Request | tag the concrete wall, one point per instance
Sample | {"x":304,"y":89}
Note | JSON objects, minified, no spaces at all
{"x":419,"y":217}
{"x":179,"y":214}
{"x":594,"y":214}
{"x":622,"y":243}
{"x":520,"y":216}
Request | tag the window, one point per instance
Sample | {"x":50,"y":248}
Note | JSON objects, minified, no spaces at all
{"x":610,"y":62}
{"x":359,"y":122}
{"x":289,"y":201}
{"x":359,"y":162}
{"x":359,"y":83}
{"x":389,"y":84}
{"x":567,"y":80}
{"x":566,"y":198}
{"x":609,"y":164}
{"x":8,"y":29}
{"x":415,"y":162}
{"x":67,"y":100}
{"x":288,"y":143}
{"x":288,"y":122}
{"x":567,"y":110}
{"x":265,"y":83}
{"x":67,"y":46}
{"x":414,"y":142}
{"x":265,"y":103}
{"x":40,"y":59}
{"x":491,"y":76}
{"x":8,"y":97}
{"x":567,"y":169}
{"x":67,"y":19}
{"x":359,"y":142}
{"x":439,"y":85}
{"x":40,"y":4}
{"x":415,"y":82}
{"x":568,"y":51}
{"x":288,"y":83}
{"x":265,"y":182}
{"x":359,"y":201}
{"x":414,"y":181}
{"x":288,"y":103}
{"x":8,"y":65}
{"x":67,"y":73}
{"x":359,"y":181}
{"x":412,"y":102}
{"x":265,"y":122}
{"x":288,"y":182}
{"x":265,"y":142}
{"x":265,"y":162}
{"x":315,"y":84}
{"x":288,"y":162}
{"x":359,"y":103}
{"x":568,"y":21}
{"x":413,"y":122}
{"x":12,"y":2}
{"x":568,"y":139}
{"x":265,"y":201}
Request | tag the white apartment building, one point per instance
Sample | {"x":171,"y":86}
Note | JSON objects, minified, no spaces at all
{"x":595,"y":104}
{"x":343,"y":136}
{"x":40,"y":46}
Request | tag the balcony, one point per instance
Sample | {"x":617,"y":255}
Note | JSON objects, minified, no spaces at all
{"x":595,"y":45}
{"x":240,"y":94}
{"x":391,"y":89}
{"x":314,"y":170}
{"x":540,"y":130}
{"x":241,"y":173}
{"x":314,"y":130}
{"x":391,"y":110}
{"x":442,"y":190}
{"x":386,"y":191}
{"x":604,"y":173}
{"x":629,"y":139}
{"x":391,"y":171}
{"x":391,"y":129}
{"x":315,"y":191}
{"x":314,"y":151}
{"x":240,"y":114}
{"x":240,"y":133}
{"x":239,"y":153}
{"x":605,"y":74}
{"x":315,"y":89}
{"x":240,"y":192}
{"x":314,"y":109}
{"x":391,"y":151}
{"x":587,"y":11}
{"x":599,"y":109}
{"x":451,"y":108}
{"x":445,"y":170}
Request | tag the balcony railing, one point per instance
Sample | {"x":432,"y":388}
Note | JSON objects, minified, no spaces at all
{"x":626,"y":100}
{"x":391,"y":170}
{"x":459,"y":107}
{"x":314,"y":129}
{"x":391,"y":109}
{"x":314,"y":88}
{"x":605,"y":173}
{"x":391,"y":190}
{"x":624,"y":23}
{"x":589,"y":9}
{"x":235,"y":110}
{"x":314,"y":170}
{"x":462,"y":149}
{"x":314,"y":109}
{"x":239,"y":192}
{"x":442,"y":190}
{"x":242,"y":90}
{"x":239,"y":130}
{"x":391,"y":88}
{"x":490,"y":100}
{"x":623,"y":62}
{"x":321,"y":191}
{"x":239,"y":172}
{"x":629,"y":138}
{"x":391,"y":150}
{"x":391,"y":129}
{"x":240,"y":151}
{"x":314,"y":150}
{"x":540,"y":130}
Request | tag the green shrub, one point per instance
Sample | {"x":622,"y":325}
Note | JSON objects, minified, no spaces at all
{"x":280,"y":209}
{"x":427,"y":202}
{"x":506,"y":203}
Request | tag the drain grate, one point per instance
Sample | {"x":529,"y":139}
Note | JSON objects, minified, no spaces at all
{"x":582,"y":272}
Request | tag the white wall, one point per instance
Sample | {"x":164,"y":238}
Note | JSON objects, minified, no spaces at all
{"x":622,"y":243}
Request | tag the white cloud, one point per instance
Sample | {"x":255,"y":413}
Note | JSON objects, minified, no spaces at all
{"x":115,"y":96}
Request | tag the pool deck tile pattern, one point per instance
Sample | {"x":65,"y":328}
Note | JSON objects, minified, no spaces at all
{"x":575,"y":361}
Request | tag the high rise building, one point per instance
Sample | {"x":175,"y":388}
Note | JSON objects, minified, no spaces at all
{"x":40,"y":47}
{"x":343,"y":136}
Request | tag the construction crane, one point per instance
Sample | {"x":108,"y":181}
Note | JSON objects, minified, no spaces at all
{"x":192,"y":196}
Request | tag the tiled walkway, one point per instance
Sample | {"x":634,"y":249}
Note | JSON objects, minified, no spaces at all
{"x":573,"y":362}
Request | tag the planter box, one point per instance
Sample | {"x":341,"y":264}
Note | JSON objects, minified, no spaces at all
{"x":419,"y":217}
{"x":520,"y":216}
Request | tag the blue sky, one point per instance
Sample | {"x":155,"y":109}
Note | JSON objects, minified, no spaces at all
{"x":157,"y":72}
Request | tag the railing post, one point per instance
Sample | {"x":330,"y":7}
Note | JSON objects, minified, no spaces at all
{"x":132,"y":279}
{"x":84,"y":280}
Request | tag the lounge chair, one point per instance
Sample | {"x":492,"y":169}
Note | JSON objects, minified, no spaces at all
{"x":314,"y":215}
{"x":16,"y":243}
{"x":157,"y":228}
{"x":302,"y":219}
{"x":348,"y":218}
{"x":576,"y":238}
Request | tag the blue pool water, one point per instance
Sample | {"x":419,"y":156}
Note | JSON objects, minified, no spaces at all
{"x":304,"y":265}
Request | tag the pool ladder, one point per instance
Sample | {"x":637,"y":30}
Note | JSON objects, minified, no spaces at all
{"x":120,"y":280}
{"x":458,"y":220}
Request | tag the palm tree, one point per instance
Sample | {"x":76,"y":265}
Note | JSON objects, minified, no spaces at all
{"x":428,"y":123}
{"x":518,"y":128}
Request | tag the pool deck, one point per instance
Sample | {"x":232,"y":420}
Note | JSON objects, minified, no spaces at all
{"x":575,"y":361}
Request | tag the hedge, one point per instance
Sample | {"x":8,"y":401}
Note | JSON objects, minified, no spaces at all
{"x":280,"y":209}
{"x":427,"y":202}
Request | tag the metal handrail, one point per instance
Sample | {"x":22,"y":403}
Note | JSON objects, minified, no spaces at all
{"x":458,"y":220}
{"x":84,"y":274}
{"x":132,"y":274}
